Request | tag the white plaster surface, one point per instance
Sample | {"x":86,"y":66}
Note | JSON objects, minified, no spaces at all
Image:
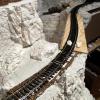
{"x":24,"y":50}
{"x":71,"y":84}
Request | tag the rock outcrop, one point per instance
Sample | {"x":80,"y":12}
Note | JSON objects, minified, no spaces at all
{"x":22,"y":43}
{"x":29,"y":41}
{"x":71,"y":85}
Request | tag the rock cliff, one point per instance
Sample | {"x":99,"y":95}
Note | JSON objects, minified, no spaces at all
{"x":29,"y":40}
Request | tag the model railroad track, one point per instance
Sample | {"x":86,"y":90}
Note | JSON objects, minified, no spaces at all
{"x":94,"y":10}
{"x":28,"y":89}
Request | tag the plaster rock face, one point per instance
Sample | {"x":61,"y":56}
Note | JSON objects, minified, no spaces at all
{"x":43,"y":50}
{"x":24,"y":24}
{"x":54,"y":26}
{"x":21,"y":25}
{"x":25,"y":48}
{"x":71,"y":85}
{"x":22,"y":42}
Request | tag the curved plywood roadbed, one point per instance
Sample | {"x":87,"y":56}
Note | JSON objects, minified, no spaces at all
{"x":30,"y":88}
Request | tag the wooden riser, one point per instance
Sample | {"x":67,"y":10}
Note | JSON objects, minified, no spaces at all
{"x":5,"y":2}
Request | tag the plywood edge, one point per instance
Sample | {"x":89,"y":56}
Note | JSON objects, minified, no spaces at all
{"x":81,"y":45}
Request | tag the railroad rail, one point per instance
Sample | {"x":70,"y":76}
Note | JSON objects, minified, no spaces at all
{"x":30,"y":88}
{"x":94,"y":10}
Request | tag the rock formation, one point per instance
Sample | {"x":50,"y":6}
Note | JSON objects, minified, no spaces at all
{"x":71,"y":85}
{"x":22,"y":42}
{"x":29,"y":41}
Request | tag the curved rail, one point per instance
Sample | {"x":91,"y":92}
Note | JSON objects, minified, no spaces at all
{"x":33,"y":85}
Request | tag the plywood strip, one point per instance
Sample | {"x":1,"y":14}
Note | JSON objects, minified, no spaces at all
{"x":81,"y":45}
{"x":66,"y":32}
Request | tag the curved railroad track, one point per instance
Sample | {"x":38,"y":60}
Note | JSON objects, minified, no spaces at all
{"x":28,"y":89}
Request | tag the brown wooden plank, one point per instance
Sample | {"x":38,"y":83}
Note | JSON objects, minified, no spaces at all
{"x":81,"y":45}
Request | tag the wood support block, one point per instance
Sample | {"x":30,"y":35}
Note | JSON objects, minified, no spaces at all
{"x":66,"y":32}
{"x":81,"y":45}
